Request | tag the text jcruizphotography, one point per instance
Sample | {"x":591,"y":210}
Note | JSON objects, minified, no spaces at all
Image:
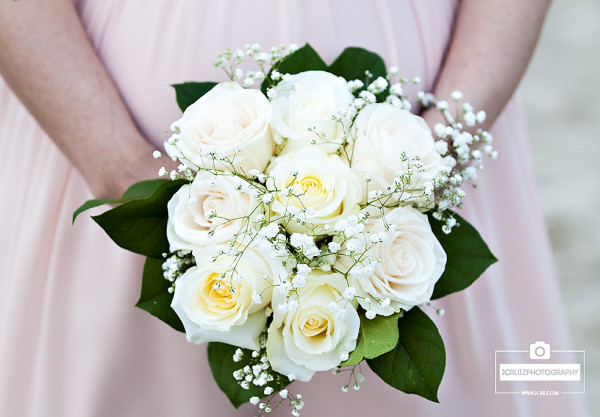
{"x":540,"y":372}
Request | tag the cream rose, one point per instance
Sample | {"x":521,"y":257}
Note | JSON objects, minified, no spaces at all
{"x":312,"y":338}
{"x":383,"y":133}
{"x":322,"y":185}
{"x":412,"y":261}
{"x":192,"y":207}
{"x":310,"y":100}
{"x":213,"y":308}
{"x":230,"y":121}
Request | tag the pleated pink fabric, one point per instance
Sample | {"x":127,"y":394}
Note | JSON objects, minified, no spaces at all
{"x":73,"y":344}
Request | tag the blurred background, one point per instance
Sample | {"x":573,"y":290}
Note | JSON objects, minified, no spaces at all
{"x":561,"y":95}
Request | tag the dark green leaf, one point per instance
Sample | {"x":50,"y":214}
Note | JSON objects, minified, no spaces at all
{"x":140,"y":189}
{"x":140,"y":225}
{"x":220,"y":358}
{"x":353,"y":62}
{"x":377,"y":336}
{"x":189,"y":92}
{"x":304,"y":59}
{"x":95,"y":203}
{"x":468,"y":256}
{"x":155,"y":297}
{"x":144,"y":189}
{"x":416,"y":365}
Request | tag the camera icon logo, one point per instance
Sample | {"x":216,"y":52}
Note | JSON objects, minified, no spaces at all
{"x":539,"y":350}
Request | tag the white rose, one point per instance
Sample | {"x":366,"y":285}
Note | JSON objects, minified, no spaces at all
{"x":230,"y":121}
{"x":312,"y":338}
{"x":324,"y":186}
{"x":221,"y":309}
{"x":310,"y":100}
{"x":192,"y":207}
{"x":383,"y":133}
{"x":412,"y":261}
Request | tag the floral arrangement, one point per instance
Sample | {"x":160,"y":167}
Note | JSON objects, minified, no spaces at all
{"x":308,"y":220}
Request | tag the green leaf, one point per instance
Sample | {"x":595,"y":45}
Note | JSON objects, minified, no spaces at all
{"x":140,"y":189}
{"x":155,"y":297}
{"x":304,"y":59}
{"x":468,"y":256}
{"x":416,"y":365}
{"x":377,"y":336}
{"x":144,"y":189}
{"x":189,"y":92}
{"x":353,"y":62}
{"x":140,"y":225}
{"x":220,"y":358}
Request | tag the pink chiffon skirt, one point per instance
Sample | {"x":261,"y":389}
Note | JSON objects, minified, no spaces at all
{"x":73,"y":344}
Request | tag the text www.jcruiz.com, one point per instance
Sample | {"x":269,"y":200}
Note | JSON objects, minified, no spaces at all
{"x":539,"y":392}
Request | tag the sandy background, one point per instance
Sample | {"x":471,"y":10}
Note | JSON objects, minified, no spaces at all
{"x":561,"y":94}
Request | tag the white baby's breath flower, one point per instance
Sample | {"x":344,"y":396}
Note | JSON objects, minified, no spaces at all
{"x":396,"y":89}
{"x":456,"y":95}
{"x":333,"y":247}
{"x":442,"y":105}
{"x":359,"y":103}
{"x":481,"y":116}
{"x":256,"y":298}
{"x":469,"y":119}
{"x":368,"y":97}
{"x":349,"y":293}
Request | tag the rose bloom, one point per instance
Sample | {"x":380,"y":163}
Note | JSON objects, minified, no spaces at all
{"x":190,"y":221}
{"x":310,"y":100}
{"x":324,"y":185}
{"x":383,"y":132}
{"x":412,"y":261}
{"x":215,"y":309}
{"x":312,"y":338}
{"x":230,"y":121}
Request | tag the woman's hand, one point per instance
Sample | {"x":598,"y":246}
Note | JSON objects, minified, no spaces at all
{"x":47,"y":59}
{"x":491,"y":46}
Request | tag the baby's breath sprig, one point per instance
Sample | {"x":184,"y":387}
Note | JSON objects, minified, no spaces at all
{"x":276,"y":400}
{"x":461,"y":152}
{"x":265,"y":62}
{"x":257,"y":372}
{"x":355,"y":377}
{"x":175,"y":265}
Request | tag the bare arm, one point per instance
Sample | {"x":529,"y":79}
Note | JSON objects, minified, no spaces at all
{"x":492,"y":44}
{"x":46,"y":58}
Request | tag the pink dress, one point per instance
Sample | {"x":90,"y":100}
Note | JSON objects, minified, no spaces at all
{"x":73,"y":344}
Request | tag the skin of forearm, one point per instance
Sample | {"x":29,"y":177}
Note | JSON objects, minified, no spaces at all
{"x":48,"y":61}
{"x":492,"y":44}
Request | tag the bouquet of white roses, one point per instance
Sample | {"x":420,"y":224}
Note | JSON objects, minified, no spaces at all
{"x":307,"y":221}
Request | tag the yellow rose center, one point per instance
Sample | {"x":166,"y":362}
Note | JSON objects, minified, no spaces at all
{"x":311,"y":186}
{"x":315,"y":326}
{"x":218,"y":294}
